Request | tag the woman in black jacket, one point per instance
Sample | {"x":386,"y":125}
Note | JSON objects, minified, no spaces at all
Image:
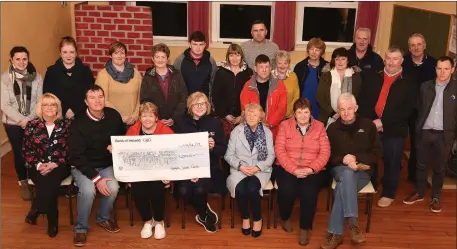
{"x":69,"y":79}
{"x":195,"y":190}
{"x":228,"y":83}
{"x":164,"y":86}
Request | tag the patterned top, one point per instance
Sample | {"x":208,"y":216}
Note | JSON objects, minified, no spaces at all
{"x":39,"y":147}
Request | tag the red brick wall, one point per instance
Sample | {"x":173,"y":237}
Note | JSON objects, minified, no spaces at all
{"x":99,"y":25}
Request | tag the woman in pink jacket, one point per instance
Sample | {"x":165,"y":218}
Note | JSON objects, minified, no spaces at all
{"x":302,"y":150}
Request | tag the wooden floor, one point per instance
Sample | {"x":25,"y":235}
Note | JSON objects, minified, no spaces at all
{"x":399,"y":226}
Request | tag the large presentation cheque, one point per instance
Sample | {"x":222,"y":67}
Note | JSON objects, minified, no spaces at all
{"x":161,"y":157}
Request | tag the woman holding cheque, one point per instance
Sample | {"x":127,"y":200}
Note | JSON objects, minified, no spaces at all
{"x":150,"y":192}
{"x":195,"y":191}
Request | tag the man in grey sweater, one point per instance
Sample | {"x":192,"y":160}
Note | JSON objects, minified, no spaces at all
{"x":259,"y":45}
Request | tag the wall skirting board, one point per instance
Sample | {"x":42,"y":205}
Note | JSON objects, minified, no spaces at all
{"x":6,"y":146}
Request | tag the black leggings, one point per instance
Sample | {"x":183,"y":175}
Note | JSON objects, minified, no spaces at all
{"x":47,"y":191}
{"x":196,"y":194}
{"x":15,"y":135}
{"x":146,"y":193}
{"x":248,"y":190}
{"x":289,"y":186}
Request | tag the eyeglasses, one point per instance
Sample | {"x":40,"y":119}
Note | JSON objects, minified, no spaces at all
{"x":200,"y":105}
{"x":49,"y":105}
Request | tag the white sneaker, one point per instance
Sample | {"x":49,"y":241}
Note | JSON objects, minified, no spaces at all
{"x":146,"y":232}
{"x":159,"y":232}
{"x":385,"y":202}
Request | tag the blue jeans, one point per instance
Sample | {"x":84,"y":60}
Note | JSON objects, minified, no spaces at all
{"x":348,"y":184}
{"x":86,"y":196}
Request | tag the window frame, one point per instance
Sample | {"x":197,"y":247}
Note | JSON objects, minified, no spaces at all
{"x":301,"y":45}
{"x":170,"y":40}
{"x":216,"y":40}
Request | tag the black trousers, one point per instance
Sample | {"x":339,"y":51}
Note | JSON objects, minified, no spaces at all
{"x":47,"y":191}
{"x":307,"y":189}
{"x":248,"y":190}
{"x":147,"y":195}
{"x":15,"y":135}
{"x":196,"y":193}
{"x":412,"y":156}
{"x":431,"y":145}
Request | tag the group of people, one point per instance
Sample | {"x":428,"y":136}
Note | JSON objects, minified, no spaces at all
{"x":266,"y":121}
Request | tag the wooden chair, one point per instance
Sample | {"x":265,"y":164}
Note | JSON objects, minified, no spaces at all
{"x":168,"y":192}
{"x":68,"y":183}
{"x":367,"y":193}
{"x":268,"y":191}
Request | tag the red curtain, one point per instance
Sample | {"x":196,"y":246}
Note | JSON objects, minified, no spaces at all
{"x":367,"y":17}
{"x":122,"y":3}
{"x":198,"y":18}
{"x":284,"y":25}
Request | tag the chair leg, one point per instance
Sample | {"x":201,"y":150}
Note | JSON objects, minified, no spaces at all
{"x":115,"y":211}
{"x":221,"y":207}
{"x":127,"y":194}
{"x":183,"y":213}
{"x":70,"y":203}
{"x":130,"y":206}
{"x":370,"y":207}
{"x":167,"y":207}
{"x":269,"y":209}
{"x":275,"y":211}
{"x":232,"y":212}
{"x":329,"y":190}
{"x":223,"y":202}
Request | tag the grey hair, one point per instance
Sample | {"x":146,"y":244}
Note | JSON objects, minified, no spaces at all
{"x":416,"y":35}
{"x":282,"y":54}
{"x":347,"y":96}
{"x":395,"y":48}
{"x":364,"y":30}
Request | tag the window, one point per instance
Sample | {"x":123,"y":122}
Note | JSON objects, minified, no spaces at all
{"x":231,"y":21}
{"x":333,"y":22}
{"x":169,"y":20}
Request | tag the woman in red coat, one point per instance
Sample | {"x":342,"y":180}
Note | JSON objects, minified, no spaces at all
{"x":302,"y":149}
{"x":152,"y":192}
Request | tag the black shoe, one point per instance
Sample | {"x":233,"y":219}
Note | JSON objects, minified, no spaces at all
{"x":256,"y":234}
{"x":246,"y":231}
{"x":32,"y":216}
{"x":53,"y":231}
{"x":212,"y":214}
{"x":207,"y":223}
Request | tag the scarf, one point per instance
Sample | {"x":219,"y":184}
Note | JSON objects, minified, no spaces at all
{"x":258,"y":140}
{"x":226,"y":65}
{"x":122,"y":77}
{"x":338,"y":87}
{"x":22,"y":86}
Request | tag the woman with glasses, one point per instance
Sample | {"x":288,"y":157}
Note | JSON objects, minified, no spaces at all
{"x":45,"y":154}
{"x":195,"y":190}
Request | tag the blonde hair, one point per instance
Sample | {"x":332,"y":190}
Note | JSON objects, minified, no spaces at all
{"x":193,"y":98}
{"x":252,"y":107}
{"x":149,"y":107}
{"x":283,"y":54}
{"x":317,"y":43}
{"x":54,"y":99}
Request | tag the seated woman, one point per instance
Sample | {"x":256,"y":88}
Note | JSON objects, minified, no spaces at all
{"x":337,"y":78}
{"x":145,"y":193}
{"x":302,"y":149}
{"x":250,"y":154}
{"x":195,"y":190}
{"x":45,"y":152}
